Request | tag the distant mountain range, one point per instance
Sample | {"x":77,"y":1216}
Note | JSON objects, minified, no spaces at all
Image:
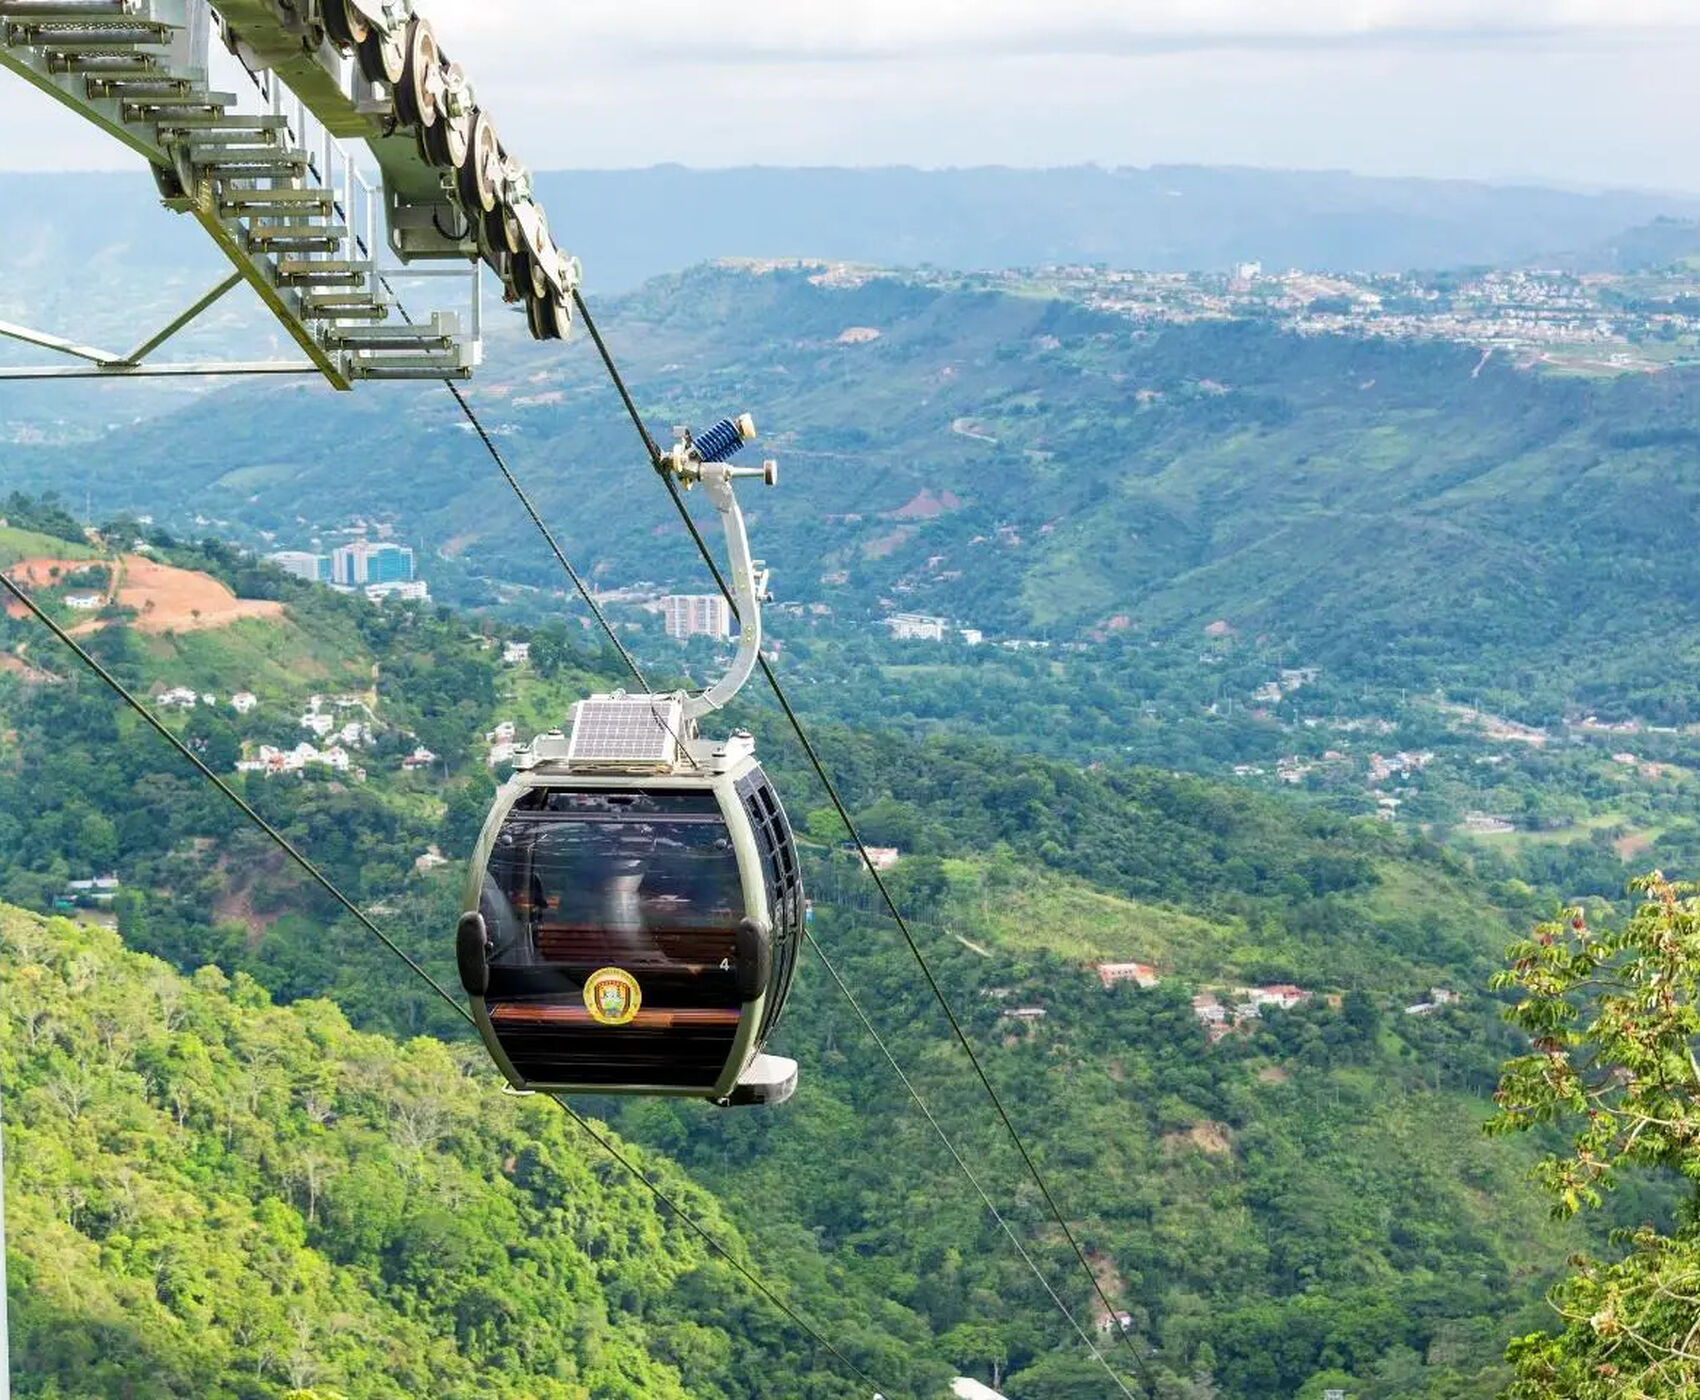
{"x":629,"y":225}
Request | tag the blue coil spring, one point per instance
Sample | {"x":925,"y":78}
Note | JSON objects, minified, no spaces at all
{"x":720,"y":441}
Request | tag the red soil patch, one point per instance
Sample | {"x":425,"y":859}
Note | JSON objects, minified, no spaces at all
{"x":177,"y":600}
{"x":164,"y":599}
{"x":42,"y":573}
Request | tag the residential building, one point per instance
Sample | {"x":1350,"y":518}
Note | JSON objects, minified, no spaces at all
{"x":366,"y":562}
{"x":315,"y":568}
{"x":421,"y":757}
{"x":102,"y":889}
{"x":408,"y":591}
{"x":967,"y":1388}
{"x":695,"y":615}
{"x":1282,"y":994}
{"x":179,"y":698}
{"x":1141,"y":974}
{"x":1208,"y":1009}
{"x":243,"y":702}
{"x":84,"y":602}
{"x":881,"y":857}
{"x":320,"y":724}
{"x":971,"y":636}
{"x":1026,"y":1013}
{"x":516,"y":653}
{"x":916,"y":627}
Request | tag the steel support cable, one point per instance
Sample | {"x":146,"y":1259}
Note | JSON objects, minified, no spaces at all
{"x":285,"y":845}
{"x":531,"y":509}
{"x":614,"y":1152}
{"x":957,"y":1157}
{"x":282,"y":842}
{"x":844,"y":816}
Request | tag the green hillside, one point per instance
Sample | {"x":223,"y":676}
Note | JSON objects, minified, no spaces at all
{"x":211,"y":1196}
{"x":1304,"y":1195}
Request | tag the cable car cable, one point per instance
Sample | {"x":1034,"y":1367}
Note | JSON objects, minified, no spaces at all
{"x":537,"y":520}
{"x":530,"y":508}
{"x":951,"y":1148}
{"x":755,"y":1282}
{"x":862,"y":850}
{"x":284,"y":844}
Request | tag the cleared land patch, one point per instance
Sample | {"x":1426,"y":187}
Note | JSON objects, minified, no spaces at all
{"x":166,"y":599}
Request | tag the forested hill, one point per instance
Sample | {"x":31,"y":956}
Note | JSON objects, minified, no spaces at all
{"x":210,"y":1196}
{"x":1299,"y":1198}
{"x":1399,"y":513}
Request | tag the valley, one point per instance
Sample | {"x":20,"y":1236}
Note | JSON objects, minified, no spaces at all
{"x":1238,"y":1175}
{"x":1224,"y":694}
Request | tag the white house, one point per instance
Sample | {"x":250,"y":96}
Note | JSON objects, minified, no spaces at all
{"x":421,"y":757}
{"x":243,"y":702}
{"x":516,"y":654}
{"x":179,"y":697}
{"x":967,"y":1388}
{"x":1141,"y":974}
{"x":916,"y":627}
{"x":320,"y":724}
{"x":503,"y":733}
{"x":84,"y":602}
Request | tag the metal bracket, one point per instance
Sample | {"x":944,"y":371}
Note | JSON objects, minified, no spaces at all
{"x":104,"y":363}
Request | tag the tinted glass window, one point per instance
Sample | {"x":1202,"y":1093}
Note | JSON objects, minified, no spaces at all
{"x":647,"y":882}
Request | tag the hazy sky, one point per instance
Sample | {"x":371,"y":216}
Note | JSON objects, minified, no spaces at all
{"x":1583,"y":92}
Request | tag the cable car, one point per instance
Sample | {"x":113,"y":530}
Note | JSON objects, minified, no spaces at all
{"x":634,"y":908}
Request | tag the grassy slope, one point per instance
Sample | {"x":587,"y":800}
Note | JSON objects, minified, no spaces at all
{"x":17,"y":545}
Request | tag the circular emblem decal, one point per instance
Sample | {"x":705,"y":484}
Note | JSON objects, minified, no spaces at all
{"x":612,"y":996}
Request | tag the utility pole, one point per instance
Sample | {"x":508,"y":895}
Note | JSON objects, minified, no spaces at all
{"x":5,"y":1339}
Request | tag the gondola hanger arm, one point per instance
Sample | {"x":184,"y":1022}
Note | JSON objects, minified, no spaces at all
{"x":701,"y":461}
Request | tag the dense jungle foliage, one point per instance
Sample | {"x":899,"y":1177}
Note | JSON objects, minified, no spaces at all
{"x":211,"y":1196}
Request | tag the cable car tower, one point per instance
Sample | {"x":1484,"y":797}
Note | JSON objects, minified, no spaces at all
{"x":362,"y":149}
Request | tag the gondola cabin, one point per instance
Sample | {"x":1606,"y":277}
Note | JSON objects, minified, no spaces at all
{"x":634,"y":910}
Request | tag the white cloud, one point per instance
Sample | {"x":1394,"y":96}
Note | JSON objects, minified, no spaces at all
{"x":722,"y":29}
{"x":1575,"y":91}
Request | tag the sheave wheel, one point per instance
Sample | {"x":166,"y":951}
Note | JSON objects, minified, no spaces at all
{"x":346,"y":26}
{"x":383,"y":57}
{"x":421,"y":77}
{"x":479,"y":175}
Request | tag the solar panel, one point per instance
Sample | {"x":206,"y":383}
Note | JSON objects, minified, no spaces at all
{"x":625,"y":730}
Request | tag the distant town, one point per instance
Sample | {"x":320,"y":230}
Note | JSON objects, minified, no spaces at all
{"x":1590,"y":321}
